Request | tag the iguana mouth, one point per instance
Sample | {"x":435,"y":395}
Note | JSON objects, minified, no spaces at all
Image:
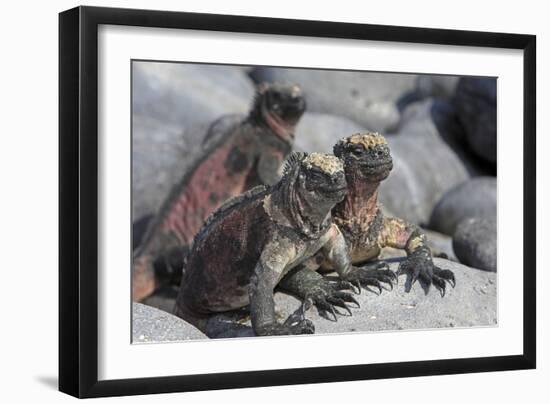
{"x":381,"y":165}
{"x":334,"y":192}
{"x":281,"y":127}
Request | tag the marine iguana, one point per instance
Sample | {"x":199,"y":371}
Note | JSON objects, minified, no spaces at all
{"x":252,"y":241}
{"x":231,"y":161}
{"x":367,"y":162}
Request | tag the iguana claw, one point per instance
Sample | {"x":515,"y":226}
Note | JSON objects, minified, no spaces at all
{"x":421,"y":267}
{"x":372,"y":275}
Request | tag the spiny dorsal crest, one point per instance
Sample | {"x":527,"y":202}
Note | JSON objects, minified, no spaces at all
{"x":293,"y":161}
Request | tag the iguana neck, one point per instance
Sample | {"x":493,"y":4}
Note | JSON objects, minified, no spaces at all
{"x":286,"y":207}
{"x":360,"y":203}
{"x":261,"y":120}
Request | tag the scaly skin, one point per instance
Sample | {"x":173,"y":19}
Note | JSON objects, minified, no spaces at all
{"x":367,"y":162}
{"x":252,"y":241}
{"x":243,"y":156}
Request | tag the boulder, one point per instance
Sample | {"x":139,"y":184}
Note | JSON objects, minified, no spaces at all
{"x":153,"y":325}
{"x":425,"y":166}
{"x":476,"y":197}
{"x":172,"y":106}
{"x":368,"y":98}
{"x":440,"y":244}
{"x":428,"y":85}
{"x":437,"y":119}
{"x":475,"y":100}
{"x":475,"y":243}
{"x":319,"y":132}
{"x":471,"y":303}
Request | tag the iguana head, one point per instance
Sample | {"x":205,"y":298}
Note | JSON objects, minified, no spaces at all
{"x":316,"y":180}
{"x":365,"y":155}
{"x":279,"y":107}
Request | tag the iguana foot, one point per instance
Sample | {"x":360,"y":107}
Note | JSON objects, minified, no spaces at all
{"x":326,"y":294}
{"x":372,"y":275}
{"x":382,"y":272}
{"x":295,"y":324}
{"x":421,"y":267}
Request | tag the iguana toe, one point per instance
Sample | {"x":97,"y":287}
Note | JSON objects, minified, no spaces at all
{"x":422,"y":268}
{"x":338,"y":301}
{"x":447,"y":275}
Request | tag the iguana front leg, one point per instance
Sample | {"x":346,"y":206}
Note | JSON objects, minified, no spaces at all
{"x":262,"y":305}
{"x":419,"y":264}
{"x":325,"y":294}
{"x":336,"y":251}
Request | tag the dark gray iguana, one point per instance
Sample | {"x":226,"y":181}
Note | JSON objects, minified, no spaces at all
{"x":252,"y":241}
{"x":367,"y":162}
{"x":233,"y":160}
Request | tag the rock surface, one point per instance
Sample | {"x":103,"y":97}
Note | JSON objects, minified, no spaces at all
{"x":425,"y":167}
{"x":368,"y":98}
{"x":152,"y":325}
{"x":319,"y":132}
{"x":440,"y":244}
{"x":471,"y":303}
{"x":436,"y":86}
{"x":475,"y":101}
{"x":475,"y":243}
{"x":173,"y":105}
{"x":476,"y":197}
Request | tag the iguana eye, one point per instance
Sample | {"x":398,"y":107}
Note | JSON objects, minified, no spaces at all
{"x":317,"y":176}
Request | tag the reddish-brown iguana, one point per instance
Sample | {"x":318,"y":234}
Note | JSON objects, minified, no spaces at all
{"x":231,"y":161}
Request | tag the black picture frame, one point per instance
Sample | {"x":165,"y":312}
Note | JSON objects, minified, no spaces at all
{"x":78,"y":200}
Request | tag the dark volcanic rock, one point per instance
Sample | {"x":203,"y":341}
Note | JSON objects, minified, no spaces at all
{"x":172,"y":106}
{"x":364,"y":97}
{"x":474,"y":198}
{"x":475,"y":101}
{"x":153,"y":325}
{"x":475,"y":243}
{"x":319,"y":132}
{"x":471,"y":303}
{"x":425,"y":166}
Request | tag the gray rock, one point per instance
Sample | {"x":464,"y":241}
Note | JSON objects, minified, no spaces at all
{"x":184,"y":93}
{"x":153,"y":325}
{"x":425,"y":166}
{"x":367,"y":98}
{"x":475,"y":243}
{"x":173,"y":105}
{"x":476,"y":197}
{"x":475,"y":101}
{"x":437,"y":119}
{"x":428,"y":85}
{"x":319,"y":132}
{"x":440,"y":244}
{"x":471,"y":303}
